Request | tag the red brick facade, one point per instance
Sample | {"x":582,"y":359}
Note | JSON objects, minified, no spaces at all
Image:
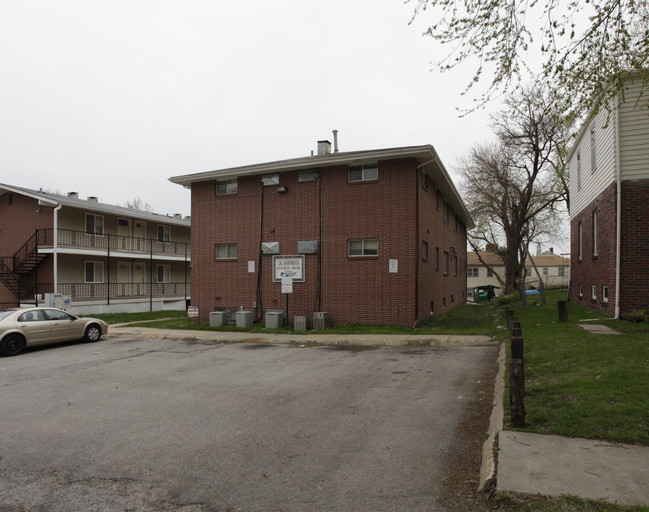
{"x":598,"y":270}
{"x":396,"y":209}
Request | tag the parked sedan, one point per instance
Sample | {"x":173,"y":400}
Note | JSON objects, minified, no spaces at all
{"x":28,"y":327}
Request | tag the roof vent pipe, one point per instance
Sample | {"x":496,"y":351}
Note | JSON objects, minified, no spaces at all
{"x":93,"y":199}
{"x":335,"y":141}
{"x":73,"y":195}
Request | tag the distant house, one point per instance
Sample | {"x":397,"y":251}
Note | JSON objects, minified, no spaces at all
{"x":375,"y":236}
{"x":554,"y":271}
{"x":97,"y":257}
{"x":609,"y":216}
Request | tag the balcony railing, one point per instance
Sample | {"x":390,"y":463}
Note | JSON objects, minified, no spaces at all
{"x":117,"y":291}
{"x":68,"y":238}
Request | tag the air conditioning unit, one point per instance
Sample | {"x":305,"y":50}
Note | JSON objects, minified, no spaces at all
{"x":321,"y":321}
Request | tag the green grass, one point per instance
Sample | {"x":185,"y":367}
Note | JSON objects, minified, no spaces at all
{"x":120,"y":318}
{"x":580,"y":384}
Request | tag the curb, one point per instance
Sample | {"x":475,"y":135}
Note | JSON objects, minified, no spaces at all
{"x":488,"y":466}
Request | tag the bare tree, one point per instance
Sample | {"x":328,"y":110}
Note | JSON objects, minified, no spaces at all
{"x":509,"y":186}
{"x":138,"y":204}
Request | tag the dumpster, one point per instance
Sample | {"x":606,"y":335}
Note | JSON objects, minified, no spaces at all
{"x":484,"y":293}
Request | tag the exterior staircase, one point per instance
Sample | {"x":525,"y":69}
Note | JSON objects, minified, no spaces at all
{"x":18,"y":272}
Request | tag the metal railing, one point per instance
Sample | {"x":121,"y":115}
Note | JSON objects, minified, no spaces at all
{"x":110,"y":291}
{"x":106,"y":242}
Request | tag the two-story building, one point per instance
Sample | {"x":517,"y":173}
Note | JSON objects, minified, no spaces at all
{"x":100,"y":258}
{"x":373,"y":236}
{"x":609,"y":217}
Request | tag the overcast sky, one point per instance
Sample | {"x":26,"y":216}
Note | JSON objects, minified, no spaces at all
{"x":111,"y":98}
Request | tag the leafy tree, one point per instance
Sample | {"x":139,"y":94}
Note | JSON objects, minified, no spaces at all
{"x":509,"y":186}
{"x":585,"y":48}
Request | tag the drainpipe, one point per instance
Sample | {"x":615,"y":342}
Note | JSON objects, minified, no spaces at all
{"x":55,"y":242}
{"x":618,"y":227}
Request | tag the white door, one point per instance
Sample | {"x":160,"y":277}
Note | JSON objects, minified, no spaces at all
{"x":124,"y":233}
{"x":139,"y":235}
{"x":124,"y":279}
{"x":139,"y":278}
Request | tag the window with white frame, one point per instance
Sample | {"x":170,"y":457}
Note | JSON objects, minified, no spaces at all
{"x":94,"y":224}
{"x":605,"y":293}
{"x":94,"y":272}
{"x":581,"y":290}
{"x":473,"y":272}
{"x":545,"y":271}
{"x":562,"y":271}
{"x":368,"y":172}
{"x":164,"y":273}
{"x":164,"y":234}
{"x":593,"y":292}
{"x":594,"y":232}
{"x":225,"y":251}
{"x":227,"y":187}
{"x":593,"y":152}
{"x":363,"y":247}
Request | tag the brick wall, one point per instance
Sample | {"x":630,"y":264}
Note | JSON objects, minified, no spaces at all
{"x":634,"y":268}
{"x":353,"y":289}
{"x":19,"y":220}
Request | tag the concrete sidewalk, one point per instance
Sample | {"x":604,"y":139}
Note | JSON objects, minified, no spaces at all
{"x":586,"y":468}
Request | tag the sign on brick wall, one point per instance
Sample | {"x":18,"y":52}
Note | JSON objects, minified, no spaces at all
{"x":288,"y":266}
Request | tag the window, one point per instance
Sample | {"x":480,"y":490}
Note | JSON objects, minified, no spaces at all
{"x":307,"y":175}
{"x":424,"y":250}
{"x":490,"y":272}
{"x":593,"y":156}
{"x":473,"y":272}
{"x":545,"y":271}
{"x":455,"y":221}
{"x":562,"y":271}
{"x":94,"y":272}
{"x":432,"y":307}
{"x":580,"y":240}
{"x":227,"y":187}
{"x":595,"y":233}
{"x":164,"y":273}
{"x":445,"y":263}
{"x":225,"y":251}
{"x":94,"y":224}
{"x":436,"y":258}
{"x":270,"y":179}
{"x":424,"y":179}
{"x":578,"y":171}
{"x":581,"y":290}
{"x":593,"y":291}
{"x":32,"y":316}
{"x":363,"y":172}
{"x":164,"y":234}
{"x":454,"y":265}
{"x":605,"y":293}
{"x":363,"y":247}
{"x":437,"y":199}
{"x":446,"y":210}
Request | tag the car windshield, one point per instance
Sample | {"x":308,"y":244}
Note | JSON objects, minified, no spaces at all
{"x":6,"y":313}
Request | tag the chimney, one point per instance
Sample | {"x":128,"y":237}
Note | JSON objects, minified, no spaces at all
{"x":551,"y":250}
{"x":178,"y":216}
{"x":73,"y":195}
{"x":94,"y":199}
{"x":324,"y":147}
{"x":335,"y":141}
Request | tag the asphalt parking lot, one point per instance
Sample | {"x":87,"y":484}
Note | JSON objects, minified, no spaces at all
{"x":178,"y":425}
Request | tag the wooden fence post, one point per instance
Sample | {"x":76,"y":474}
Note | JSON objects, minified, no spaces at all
{"x":562,"y":306}
{"x":516,"y":393}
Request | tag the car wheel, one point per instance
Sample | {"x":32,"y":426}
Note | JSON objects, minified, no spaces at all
{"x":12,"y":345}
{"x":93,"y":333}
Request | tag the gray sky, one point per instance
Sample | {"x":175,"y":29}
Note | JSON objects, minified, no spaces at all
{"x":111,"y":98}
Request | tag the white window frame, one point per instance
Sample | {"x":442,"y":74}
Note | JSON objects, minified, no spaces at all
{"x":226,"y":187}
{"x":163,"y":274}
{"x":369,"y":172}
{"x":605,"y":293}
{"x":97,"y":224}
{"x":473,"y":272}
{"x":231,"y":251}
{"x":97,"y":272}
{"x":366,"y":248}
{"x":593,"y":291}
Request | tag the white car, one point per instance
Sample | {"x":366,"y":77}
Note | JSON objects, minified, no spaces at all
{"x":29,"y":327}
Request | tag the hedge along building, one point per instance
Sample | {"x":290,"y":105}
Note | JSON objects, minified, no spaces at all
{"x":373,"y":236}
{"x":609,"y":218}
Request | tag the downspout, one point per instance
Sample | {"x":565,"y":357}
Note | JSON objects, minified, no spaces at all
{"x":618,"y":226}
{"x":55,"y":242}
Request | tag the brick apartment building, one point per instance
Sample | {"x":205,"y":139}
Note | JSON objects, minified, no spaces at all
{"x":609,"y":221}
{"x":369,"y":236}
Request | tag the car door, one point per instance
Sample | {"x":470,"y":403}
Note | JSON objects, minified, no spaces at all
{"x":65,"y":327}
{"x":36,"y":328}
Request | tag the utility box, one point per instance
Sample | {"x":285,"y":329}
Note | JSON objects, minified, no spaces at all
{"x":321,"y":321}
{"x":301,"y":323}
{"x":244,"y":319}
{"x":274,"y":319}
{"x":217,"y":318}
{"x":56,"y":300}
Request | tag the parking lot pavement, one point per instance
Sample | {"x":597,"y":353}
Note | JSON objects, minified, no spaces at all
{"x":152,"y":424}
